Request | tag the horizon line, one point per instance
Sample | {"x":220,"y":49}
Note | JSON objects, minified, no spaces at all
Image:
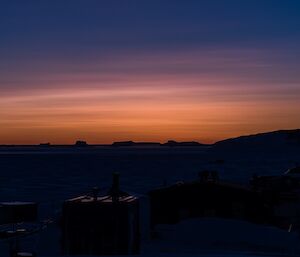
{"x":147,"y":142}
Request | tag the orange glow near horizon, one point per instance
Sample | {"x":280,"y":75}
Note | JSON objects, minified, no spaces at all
{"x":135,"y":104}
{"x":103,"y":117}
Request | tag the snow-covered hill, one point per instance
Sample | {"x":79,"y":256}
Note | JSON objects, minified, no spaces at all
{"x":277,"y":139}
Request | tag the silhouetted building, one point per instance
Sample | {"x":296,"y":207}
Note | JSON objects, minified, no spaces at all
{"x":99,"y":225}
{"x":16,"y":212}
{"x":288,"y":182}
{"x":207,"y":197}
{"x":282,"y":192}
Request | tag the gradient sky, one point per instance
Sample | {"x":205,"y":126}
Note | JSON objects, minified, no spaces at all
{"x":147,"y":70}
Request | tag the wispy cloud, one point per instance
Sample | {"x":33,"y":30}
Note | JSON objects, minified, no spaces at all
{"x":203,"y":94}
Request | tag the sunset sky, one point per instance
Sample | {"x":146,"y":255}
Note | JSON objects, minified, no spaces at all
{"x":147,"y":70}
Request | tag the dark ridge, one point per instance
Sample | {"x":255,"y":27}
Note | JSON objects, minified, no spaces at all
{"x":188,"y":143}
{"x":169,"y":143}
{"x":80,"y":143}
{"x":274,"y":138}
{"x":45,"y":144}
{"x":132,"y":143}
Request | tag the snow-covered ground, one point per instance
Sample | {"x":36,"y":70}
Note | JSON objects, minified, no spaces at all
{"x":52,"y":175}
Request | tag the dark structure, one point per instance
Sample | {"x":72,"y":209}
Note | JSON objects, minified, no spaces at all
{"x":207,"y":197}
{"x":109,"y":224}
{"x":283,"y":193}
{"x":16,"y":212}
{"x":287,"y":182}
{"x":15,"y":218}
{"x":272,"y":200}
